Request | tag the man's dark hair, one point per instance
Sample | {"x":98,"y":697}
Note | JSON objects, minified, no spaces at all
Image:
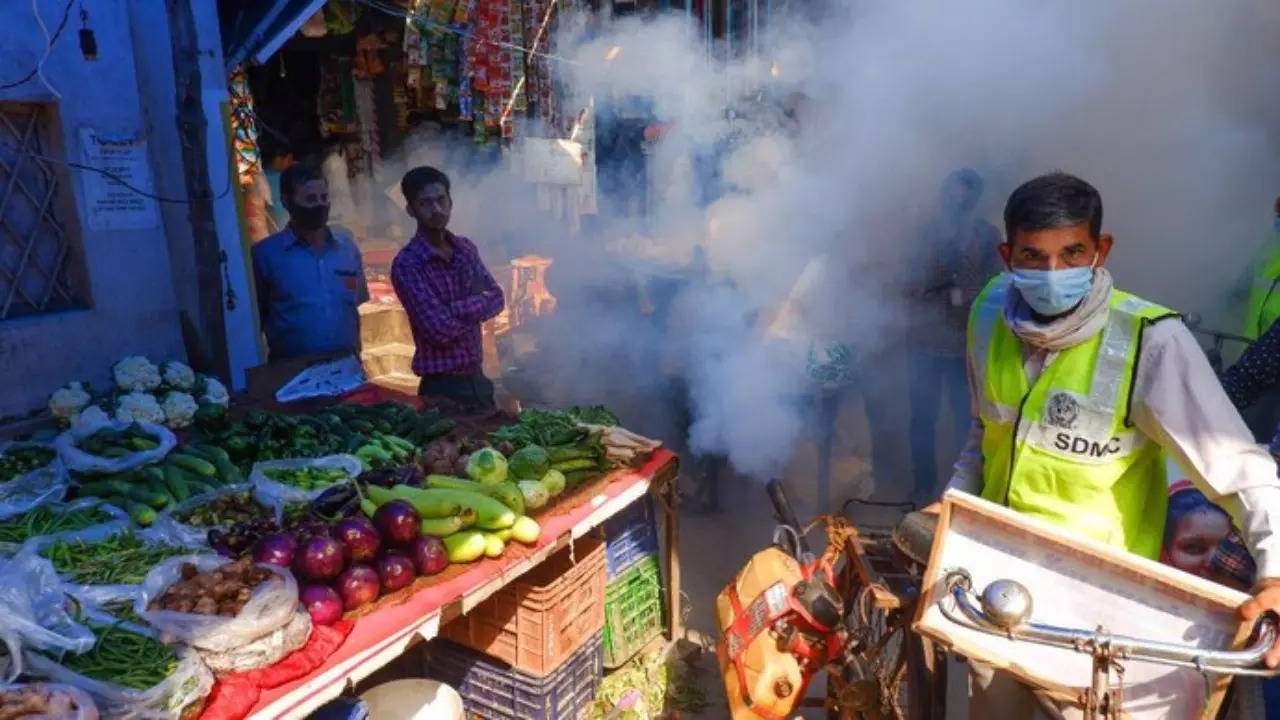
{"x":1051,"y":201}
{"x":418,"y":179}
{"x":295,"y":176}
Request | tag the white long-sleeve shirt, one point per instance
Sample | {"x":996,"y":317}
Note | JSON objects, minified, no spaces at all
{"x":1179,"y":403}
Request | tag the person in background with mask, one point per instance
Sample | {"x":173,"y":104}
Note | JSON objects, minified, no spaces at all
{"x":1079,"y":390}
{"x":447,"y":292}
{"x":309,"y":277}
{"x":955,"y":257}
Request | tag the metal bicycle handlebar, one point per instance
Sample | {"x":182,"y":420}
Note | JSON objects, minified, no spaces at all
{"x":1004,"y":608}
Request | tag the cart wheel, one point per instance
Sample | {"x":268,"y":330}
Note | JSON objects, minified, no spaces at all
{"x":875,"y":682}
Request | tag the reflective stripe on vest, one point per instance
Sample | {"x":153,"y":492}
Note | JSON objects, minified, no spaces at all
{"x":1062,"y":448}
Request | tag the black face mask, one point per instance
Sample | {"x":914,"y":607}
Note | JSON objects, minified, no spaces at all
{"x":309,"y":218}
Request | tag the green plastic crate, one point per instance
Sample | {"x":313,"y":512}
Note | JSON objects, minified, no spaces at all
{"x":632,"y":612}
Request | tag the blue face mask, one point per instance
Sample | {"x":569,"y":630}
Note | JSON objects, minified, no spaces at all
{"x":1054,"y":292}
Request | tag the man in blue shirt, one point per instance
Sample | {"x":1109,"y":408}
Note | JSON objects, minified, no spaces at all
{"x":310,"y":278}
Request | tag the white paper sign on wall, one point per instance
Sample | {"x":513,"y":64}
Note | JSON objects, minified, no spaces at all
{"x":110,"y":205}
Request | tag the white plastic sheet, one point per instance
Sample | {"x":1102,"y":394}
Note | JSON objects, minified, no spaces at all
{"x":80,"y":461}
{"x":278,"y":493}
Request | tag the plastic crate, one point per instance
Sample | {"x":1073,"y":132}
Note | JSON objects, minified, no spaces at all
{"x":632,"y":612}
{"x":493,"y":690}
{"x":630,"y":536}
{"x":537,"y":621}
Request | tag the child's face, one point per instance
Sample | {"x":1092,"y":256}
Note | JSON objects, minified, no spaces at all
{"x":1194,"y":539}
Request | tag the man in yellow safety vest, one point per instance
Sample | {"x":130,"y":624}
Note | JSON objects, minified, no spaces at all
{"x":1079,"y":389}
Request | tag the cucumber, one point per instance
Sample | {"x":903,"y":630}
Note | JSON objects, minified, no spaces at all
{"x":152,"y":473}
{"x":466,"y":546}
{"x":145,"y":495}
{"x":176,"y":483}
{"x":493,"y":545}
{"x":193,"y":464}
{"x":199,"y":451}
{"x":526,"y":530}
{"x":228,"y":472}
{"x":104,"y":488}
{"x":141,"y":514}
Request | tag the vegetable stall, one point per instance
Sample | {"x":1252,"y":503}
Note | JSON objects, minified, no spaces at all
{"x":183,"y":556}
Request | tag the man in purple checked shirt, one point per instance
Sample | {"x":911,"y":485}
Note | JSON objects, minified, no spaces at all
{"x":447,"y":293}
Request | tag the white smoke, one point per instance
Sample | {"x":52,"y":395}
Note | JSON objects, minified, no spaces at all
{"x":1169,"y":108}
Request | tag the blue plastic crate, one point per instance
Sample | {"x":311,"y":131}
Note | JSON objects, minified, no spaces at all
{"x":492,"y":690}
{"x":630,"y":536}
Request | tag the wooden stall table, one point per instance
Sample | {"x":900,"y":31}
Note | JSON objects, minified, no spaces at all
{"x":398,"y":622}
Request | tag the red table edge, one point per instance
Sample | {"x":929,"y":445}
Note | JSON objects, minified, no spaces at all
{"x":553,"y":529}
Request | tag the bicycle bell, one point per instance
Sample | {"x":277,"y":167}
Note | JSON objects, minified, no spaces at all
{"x":1007,"y":603}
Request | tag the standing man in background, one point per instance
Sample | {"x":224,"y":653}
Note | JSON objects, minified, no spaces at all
{"x":956,"y":254}
{"x":447,"y":293}
{"x":309,"y":277}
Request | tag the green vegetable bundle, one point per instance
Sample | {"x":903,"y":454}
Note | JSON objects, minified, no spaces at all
{"x":308,"y":478}
{"x":22,"y":459}
{"x":113,"y":443}
{"x":120,"y":559}
{"x":552,"y":427}
{"x":123,"y":658}
{"x":45,"y":520}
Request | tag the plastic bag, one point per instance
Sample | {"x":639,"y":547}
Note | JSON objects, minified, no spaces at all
{"x":66,"y":702}
{"x":266,"y":650}
{"x":34,"y":611}
{"x":34,"y":547}
{"x":190,"y":682}
{"x":278,"y":493}
{"x":80,"y":461}
{"x":168,"y":526}
{"x":271,"y":605}
{"x":119,"y":521}
{"x":30,"y":489}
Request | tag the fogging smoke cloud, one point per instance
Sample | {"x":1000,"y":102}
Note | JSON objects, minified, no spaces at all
{"x":1169,"y":109}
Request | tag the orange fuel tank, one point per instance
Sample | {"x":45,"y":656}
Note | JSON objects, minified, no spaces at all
{"x":774,"y":681}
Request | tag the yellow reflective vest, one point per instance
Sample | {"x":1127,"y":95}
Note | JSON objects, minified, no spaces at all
{"x":1264,"y":299}
{"x":1063,"y":448}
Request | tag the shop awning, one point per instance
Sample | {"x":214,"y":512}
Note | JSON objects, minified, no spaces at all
{"x":255,"y":29}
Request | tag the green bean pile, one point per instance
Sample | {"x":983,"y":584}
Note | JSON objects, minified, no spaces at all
{"x":43,"y":521}
{"x":124,"y":658}
{"x":121,"y":559}
{"x":122,"y":609}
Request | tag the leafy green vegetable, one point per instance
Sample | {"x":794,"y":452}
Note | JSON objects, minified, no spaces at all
{"x":487,"y":466}
{"x":529,"y":463}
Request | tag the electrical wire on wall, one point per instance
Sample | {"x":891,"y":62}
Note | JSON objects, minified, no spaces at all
{"x":49,"y":41}
{"x":125,"y":183}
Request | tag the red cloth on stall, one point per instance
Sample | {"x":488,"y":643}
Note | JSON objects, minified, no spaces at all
{"x":235,"y":695}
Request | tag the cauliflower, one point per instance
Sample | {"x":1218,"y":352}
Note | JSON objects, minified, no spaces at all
{"x":136,"y":373}
{"x":66,"y":402}
{"x":179,"y":408}
{"x":90,"y":417}
{"x":214,"y":392}
{"x":178,"y":375}
{"x":139,"y":407}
